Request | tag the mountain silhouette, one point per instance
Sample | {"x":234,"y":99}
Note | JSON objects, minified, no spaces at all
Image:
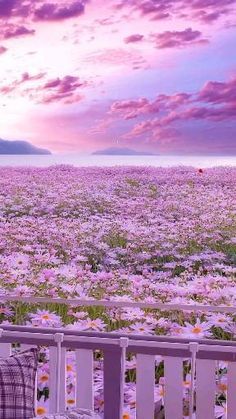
{"x":20,"y":147}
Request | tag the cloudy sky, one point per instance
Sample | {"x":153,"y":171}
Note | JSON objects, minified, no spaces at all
{"x":156,"y":75}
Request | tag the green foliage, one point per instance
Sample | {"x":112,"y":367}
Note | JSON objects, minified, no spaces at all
{"x":116,"y":239}
{"x":133,"y":182}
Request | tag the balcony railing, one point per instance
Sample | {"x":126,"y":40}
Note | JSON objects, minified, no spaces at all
{"x":203,"y":355}
{"x":116,"y":303}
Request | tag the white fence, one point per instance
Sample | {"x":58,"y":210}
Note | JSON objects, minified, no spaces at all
{"x":115,"y":303}
{"x":204,"y":356}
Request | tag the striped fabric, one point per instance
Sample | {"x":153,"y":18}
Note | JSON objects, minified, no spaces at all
{"x":17,"y":385}
{"x":73,"y":414}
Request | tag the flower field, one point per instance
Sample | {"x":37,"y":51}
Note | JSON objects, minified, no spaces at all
{"x":132,"y":234}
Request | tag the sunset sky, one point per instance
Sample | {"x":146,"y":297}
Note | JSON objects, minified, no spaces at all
{"x":156,"y":75}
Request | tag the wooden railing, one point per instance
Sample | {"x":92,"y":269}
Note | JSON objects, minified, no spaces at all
{"x":113,"y":358}
{"x":202,"y":354}
{"x":115,"y":303}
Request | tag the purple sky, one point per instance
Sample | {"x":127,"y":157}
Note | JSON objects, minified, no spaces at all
{"x":156,"y":75}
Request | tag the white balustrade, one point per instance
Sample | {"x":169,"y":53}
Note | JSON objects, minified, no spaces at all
{"x":231,"y":386}
{"x":205,"y":388}
{"x":173,"y":370}
{"x":84,"y":378}
{"x":203,"y":358}
{"x":145,"y":383}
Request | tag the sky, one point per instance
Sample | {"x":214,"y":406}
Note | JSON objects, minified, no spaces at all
{"x":151,"y":75}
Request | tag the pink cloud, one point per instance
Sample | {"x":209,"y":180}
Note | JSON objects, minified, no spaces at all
{"x":212,"y":114}
{"x":202,"y":10}
{"x":143,"y":127}
{"x":41,"y":10}
{"x":107,"y":21}
{"x":11,"y":31}
{"x":216,"y":114}
{"x":117,"y":57}
{"x":133,"y":38}
{"x":5,"y":90}
{"x":130,"y":109}
{"x":159,"y":10}
{"x":27,"y":77}
{"x":176,"y":39}
{"x":65,"y":89}
{"x":140,"y":109}
{"x":209,"y":11}
{"x":6,"y":7}
{"x":219,"y":92}
{"x":2,"y":49}
{"x":172,"y":101}
{"x":56,"y":11}
{"x":64,"y":85}
{"x":209,"y":17}
{"x":101,"y":126}
{"x":175,"y":108}
{"x":178,"y":107}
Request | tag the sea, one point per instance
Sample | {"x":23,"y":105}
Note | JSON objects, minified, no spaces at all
{"x":79,"y":160}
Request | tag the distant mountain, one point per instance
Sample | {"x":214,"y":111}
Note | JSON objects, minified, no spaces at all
{"x":115,"y":151}
{"x":20,"y":147}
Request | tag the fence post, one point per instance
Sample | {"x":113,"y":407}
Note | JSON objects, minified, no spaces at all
{"x":5,"y":348}
{"x":58,"y":337}
{"x":113,"y":380}
{"x":84,"y":379}
{"x":193,"y":346}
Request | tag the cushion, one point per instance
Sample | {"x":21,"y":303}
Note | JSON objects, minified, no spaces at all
{"x":17,"y":385}
{"x":72,"y":414}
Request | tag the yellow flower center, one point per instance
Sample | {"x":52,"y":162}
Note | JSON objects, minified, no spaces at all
{"x":41,"y":410}
{"x":45,"y":317}
{"x":197,"y":330}
{"x":186,"y":383}
{"x":69,"y":368}
{"x":71,"y":401}
{"x":223,"y":386}
{"x":161,"y":392}
{"x":126,"y":416}
{"x":44,"y":378}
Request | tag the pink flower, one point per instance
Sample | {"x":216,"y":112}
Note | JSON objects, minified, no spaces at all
{"x":159,"y":393}
{"x":142,"y":328}
{"x":130,"y":313}
{"x":219,"y":319}
{"x":7,"y":311}
{"x":198,"y":330}
{"x":221,"y":411}
{"x":22,"y":290}
{"x":88,"y":324}
{"x":78,"y":314}
{"x":45,"y":318}
{"x":130,"y":365}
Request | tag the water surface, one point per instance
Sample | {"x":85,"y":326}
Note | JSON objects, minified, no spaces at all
{"x":80,"y":160}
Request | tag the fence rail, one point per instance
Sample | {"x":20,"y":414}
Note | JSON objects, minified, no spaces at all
{"x":202,"y":354}
{"x":113,"y":303}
